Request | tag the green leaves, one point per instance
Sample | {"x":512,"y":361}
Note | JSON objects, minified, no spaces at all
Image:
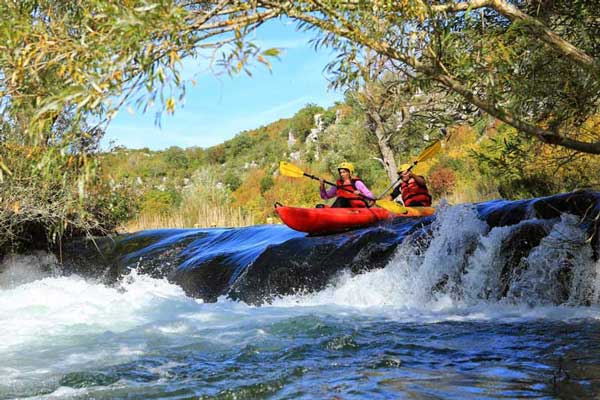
{"x":96,"y":56}
{"x":273,"y":52}
{"x":535,"y":69}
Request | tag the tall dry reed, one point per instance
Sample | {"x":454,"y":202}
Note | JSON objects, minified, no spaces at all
{"x":192,"y":217}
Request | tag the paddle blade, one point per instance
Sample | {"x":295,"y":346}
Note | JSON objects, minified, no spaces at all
{"x":430,"y":151}
{"x":392,"y":206}
{"x":287,"y":169}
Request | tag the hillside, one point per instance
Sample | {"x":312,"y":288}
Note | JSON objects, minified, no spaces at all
{"x":237,"y":182}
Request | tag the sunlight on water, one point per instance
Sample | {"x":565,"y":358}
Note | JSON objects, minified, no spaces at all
{"x":462,"y":269}
{"x":435,"y":310}
{"x":74,"y":325}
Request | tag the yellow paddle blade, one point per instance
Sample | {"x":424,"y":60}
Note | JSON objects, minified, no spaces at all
{"x":392,"y":206}
{"x":430,"y":151}
{"x":287,"y":169}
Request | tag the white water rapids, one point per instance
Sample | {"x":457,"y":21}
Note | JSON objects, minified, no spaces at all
{"x":52,"y":324}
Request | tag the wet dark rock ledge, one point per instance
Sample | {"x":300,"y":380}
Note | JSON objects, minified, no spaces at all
{"x":256,"y":264}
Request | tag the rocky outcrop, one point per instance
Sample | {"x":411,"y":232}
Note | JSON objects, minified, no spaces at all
{"x":312,"y":140}
{"x":291,"y":139}
{"x":308,"y":264}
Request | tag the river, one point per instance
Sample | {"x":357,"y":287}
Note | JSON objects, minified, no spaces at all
{"x":385,"y":333}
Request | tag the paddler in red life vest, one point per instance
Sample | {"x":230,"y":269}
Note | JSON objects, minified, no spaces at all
{"x":413,"y":188}
{"x":349,"y":190}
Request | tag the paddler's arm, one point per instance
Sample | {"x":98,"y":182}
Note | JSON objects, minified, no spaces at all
{"x":327,"y":194}
{"x":419,"y":179}
{"x":362,"y":188}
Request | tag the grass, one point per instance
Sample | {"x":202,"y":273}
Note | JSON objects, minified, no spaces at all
{"x":191,"y":217}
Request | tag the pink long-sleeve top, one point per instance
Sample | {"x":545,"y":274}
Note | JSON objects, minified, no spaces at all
{"x":360,"y":186}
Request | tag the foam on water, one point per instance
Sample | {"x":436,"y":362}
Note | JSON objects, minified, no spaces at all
{"x":50,"y":307}
{"x":563,"y":251}
{"x":409,"y":277}
{"x":103,"y":325}
{"x":51,"y":325}
{"x":458,"y":276}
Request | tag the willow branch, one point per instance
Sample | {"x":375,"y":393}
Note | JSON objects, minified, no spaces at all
{"x":536,"y":27}
{"x":502,"y":114}
{"x":201,"y":20}
{"x":451,"y":83}
{"x":453,"y":7}
{"x":241,"y":21}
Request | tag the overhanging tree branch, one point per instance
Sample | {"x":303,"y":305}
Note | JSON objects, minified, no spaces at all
{"x":534,"y":25}
{"x":348,"y":31}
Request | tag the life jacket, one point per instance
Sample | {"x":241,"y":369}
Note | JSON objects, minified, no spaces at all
{"x":412,"y":193}
{"x":347,"y":191}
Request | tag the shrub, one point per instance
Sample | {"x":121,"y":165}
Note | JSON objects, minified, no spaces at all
{"x":39,"y":208}
{"x":232,"y":180}
{"x":303,"y":121}
{"x":160,"y":202}
{"x":441,"y":181}
{"x":112,"y":206}
{"x":266,"y":183}
{"x":329,"y":117}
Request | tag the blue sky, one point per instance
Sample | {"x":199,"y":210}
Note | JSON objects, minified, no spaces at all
{"x":219,"y":107}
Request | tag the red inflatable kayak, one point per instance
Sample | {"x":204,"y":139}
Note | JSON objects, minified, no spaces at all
{"x":332,"y":220}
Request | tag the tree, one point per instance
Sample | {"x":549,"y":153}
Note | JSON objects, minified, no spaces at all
{"x":304,"y":120}
{"x":98,"y":55}
{"x":176,"y":158}
{"x":533,"y":66}
{"x":398,"y":114}
{"x":66,"y":68}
